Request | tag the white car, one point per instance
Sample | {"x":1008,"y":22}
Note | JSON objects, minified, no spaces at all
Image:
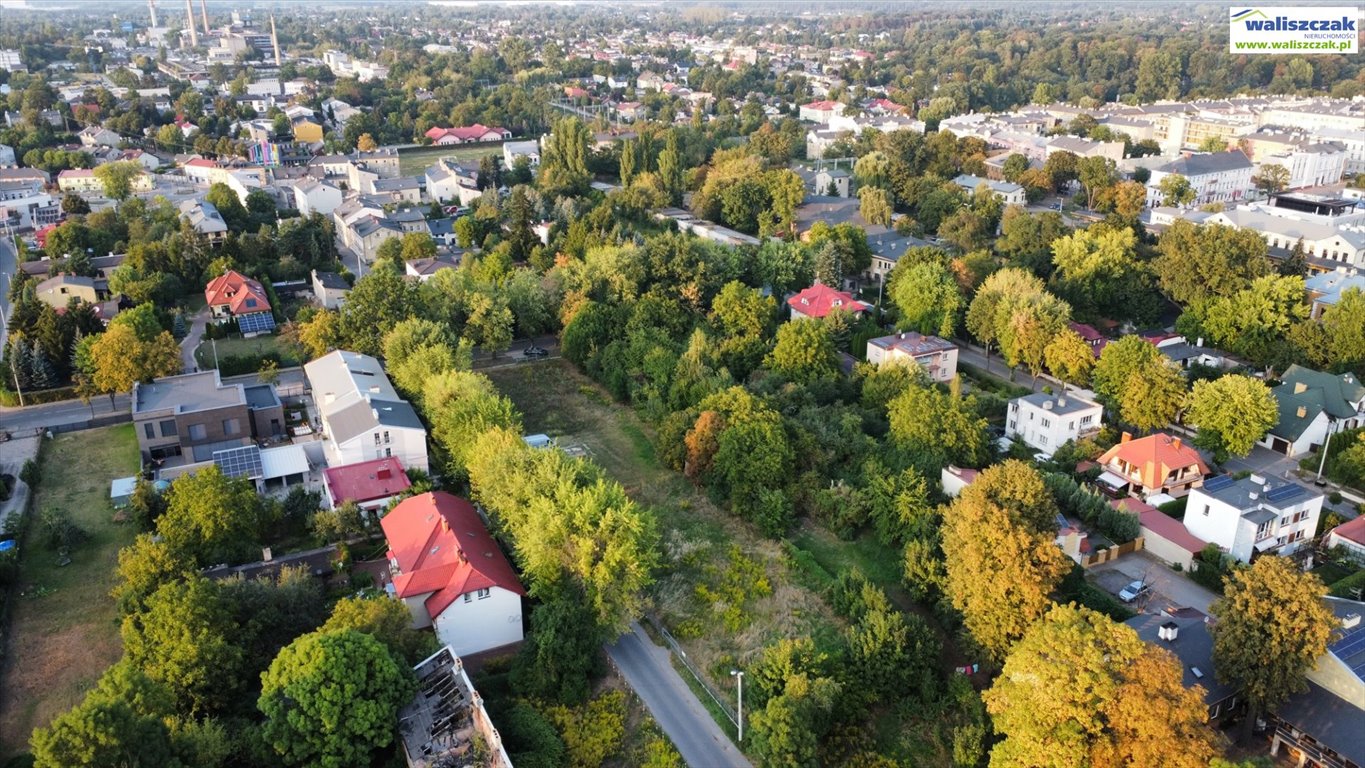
{"x":1133,"y":591}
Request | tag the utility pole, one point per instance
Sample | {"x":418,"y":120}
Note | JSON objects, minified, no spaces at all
{"x":17,"y":389}
{"x":1325,"y":443}
{"x":739,"y":711}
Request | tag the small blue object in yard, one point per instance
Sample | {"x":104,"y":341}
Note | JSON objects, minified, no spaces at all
{"x":7,"y":545}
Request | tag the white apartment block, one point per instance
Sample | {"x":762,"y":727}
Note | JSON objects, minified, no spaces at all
{"x":1047,"y":422}
{"x":1253,"y":515}
{"x":363,"y":416}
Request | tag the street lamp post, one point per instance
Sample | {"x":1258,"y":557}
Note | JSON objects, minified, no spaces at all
{"x":739,"y":710}
{"x":1326,"y":442}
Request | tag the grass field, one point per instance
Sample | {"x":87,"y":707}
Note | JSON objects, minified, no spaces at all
{"x":65,"y":628}
{"x":412,"y":162}
{"x":239,"y":347}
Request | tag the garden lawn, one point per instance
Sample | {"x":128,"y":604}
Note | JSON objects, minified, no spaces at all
{"x":65,"y":627}
{"x":240,"y":347}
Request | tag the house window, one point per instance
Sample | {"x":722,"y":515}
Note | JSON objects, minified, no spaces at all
{"x":231,"y":427}
{"x":1206,"y":510}
{"x":1263,"y":530}
{"x":168,"y":428}
{"x":149,"y":430}
{"x":1047,"y":423}
{"x":198,"y":432}
{"x":484,"y":593}
{"x":376,"y":438}
{"x":1071,"y":426}
{"x":388,"y":453}
{"x":467,"y":598}
{"x":386,"y":437}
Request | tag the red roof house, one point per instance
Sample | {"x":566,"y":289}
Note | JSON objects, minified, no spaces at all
{"x":369,"y":484}
{"x":451,"y":574}
{"x":1157,"y":463}
{"x":467,"y":134}
{"x":236,"y":296}
{"x":1350,"y":536}
{"x":819,"y":300}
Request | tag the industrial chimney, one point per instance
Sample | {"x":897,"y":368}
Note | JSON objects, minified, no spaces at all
{"x":151,"y":6}
{"x":204,"y":14}
{"x":274,"y":40}
{"x":189,"y":24}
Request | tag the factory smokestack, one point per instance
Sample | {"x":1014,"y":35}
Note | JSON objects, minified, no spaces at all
{"x":274,"y":40}
{"x":151,"y":6}
{"x":204,"y":14}
{"x":189,"y":24}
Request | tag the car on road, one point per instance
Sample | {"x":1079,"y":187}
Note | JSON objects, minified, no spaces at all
{"x":534,"y":352}
{"x":1133,"y":591}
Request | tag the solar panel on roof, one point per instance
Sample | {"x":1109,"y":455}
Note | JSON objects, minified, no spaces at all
{"x":1218,"y":483}
{"x":240,"y":462}
{"x":256,"y":322}
{"x":1283,"y":492}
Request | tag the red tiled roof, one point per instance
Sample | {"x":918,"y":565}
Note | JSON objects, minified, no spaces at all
{"x":1086,"y":332}
{"x":243,"y":295}
{"x":1155,"y":457}
{"x":366,"y":480}
{"x":1158,"y":522}
{"x":1352,"y":531}
{"x":823,"y":106}
{"x":466,"y":133}
{"x":442,"y":547}
{"x":819,"y":299}
{"x":200,"y":162}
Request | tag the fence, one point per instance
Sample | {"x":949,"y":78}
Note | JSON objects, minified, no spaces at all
{"x":95,"y":423}
{"x":1112,"y":553}
{"x":681,"y":655}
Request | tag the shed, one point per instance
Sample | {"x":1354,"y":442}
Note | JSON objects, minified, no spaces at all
{"x":121,"y":491}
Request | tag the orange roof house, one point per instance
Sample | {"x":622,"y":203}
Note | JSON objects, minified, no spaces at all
{"x":819,"y":300}
{"x":235,"y":296}
{"x":1157,"y":463}
{"x":451,"y":574}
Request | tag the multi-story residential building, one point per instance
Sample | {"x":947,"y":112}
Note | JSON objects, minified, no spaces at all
{"x":1325,"y":288}
{"x":329,"y":289}
{"x":11,"y":60}
{"x":1150,"y":465}
{"x":24,"y":201}
{"x":1082,"y":147}
{"x":1046,"y":421}
{"x":1352,"y":143}
{"x":820,"y":111}
{"x":363,"y":416}
{"x":447,"y":180}
{"x":1253,"y":516}
{"x":937,"y":357}
{"x":205,"y":219}
{"x":1008,"y":192}
{"x":315,"y":196}
{"x":513,"y":150}
{"x":186,"y":419}
{"x":1215,"y":177}
{"x":451,"y":574}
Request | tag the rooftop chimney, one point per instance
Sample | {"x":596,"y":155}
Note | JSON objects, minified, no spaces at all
{"x":1300,"y":387}
{"x":1303,"y":411}
{"x":1350,"y":621}
{"x":266,"y":554}
{"x":1175,"y":442}
{"x":1127,"y":436}
{"x":1047,"y":405}
{"x":1257,"y":479}
{"x":1061,"y":402}
{"x":1168,"y":631}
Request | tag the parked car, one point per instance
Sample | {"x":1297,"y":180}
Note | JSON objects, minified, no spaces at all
{"x":534,"y":352}
{"x":1042,"y":457}
{"x":1133,"y":591}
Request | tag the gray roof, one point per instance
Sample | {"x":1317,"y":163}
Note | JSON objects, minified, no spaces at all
{"x":912,"y":343}
{"x":332,"y":281}
{"x":261,"y":396}
{"x":1271,"y":495}
{"x":1331,"y":720}
{"x":357,"y":417}
{"x":1193,"y":646}
{"x":1060,"y":405}
{"x":187,"y":393}
{"x":1206,"y":163}
{"x":396,"y":413}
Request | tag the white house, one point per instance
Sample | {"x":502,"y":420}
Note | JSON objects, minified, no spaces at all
{"x":515,"y":149}
{"x":937,"y":357}
{"x":1253,"y":515}
{"x":363,"y":416}
{"x":820,"y":111}
{"x":1008,"y":192}
{"x":1310,"y":404}
{"x":451,"y":575}
{"x":329,"y":289}
{"x":316,"y":196}
{"x":832,"y":180}
{"x":446,"y":180}
{"x":1216,"y":177}
{"x":1046,"y":421}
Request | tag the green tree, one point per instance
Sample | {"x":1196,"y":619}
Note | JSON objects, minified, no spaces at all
{"x":332,"y":698}
{"x":992,"y":309}
{"x":462,"y":405}
{"x":1118,"y":362}
{"x":103,"y":731}
{"x":560,"y":657}
{"x":143,"y":567}
{"x":563,"y":164}
{"x":927,"y":296}
{"x":184,"y":639}
{"x":1152,"y":396}
{"x":1255,"y":320}
{"x":1176,"y":190}
{"x":594,"y":732}
{"x":804,"y":352}
{"x":229,"y":206}
{"x":1232,"y":413}
{"x":1014,"y":166}
{"x":1096,"y":174}
{"x":211,"y":517}
{"x":1198,"y":263}
{"x":490,"y":322}
{"x":1272,"y":178}
{"x":671,"y":169}
{"x":1001,"y":561}
{"x":1097,"y":268}
{"x":117,"y":178}
{"x":1028,"y":326}
{"x":1133,"y":709}
{"x":119,"y":359}
{"x":387,"y":621}
{"x":927,"y":422}
{"x":1272,"y":627}
{"x":1070,"y":358}
{"x":417,"y":245}
{"x":379,"y":301}
{"x":786,"y":731}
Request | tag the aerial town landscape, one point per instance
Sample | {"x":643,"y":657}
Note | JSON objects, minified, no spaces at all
{"x":715,"y":384}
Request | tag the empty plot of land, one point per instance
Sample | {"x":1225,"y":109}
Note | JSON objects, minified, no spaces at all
{"x":64,"y":629}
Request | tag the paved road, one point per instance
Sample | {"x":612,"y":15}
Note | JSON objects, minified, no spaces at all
{"x":192,"y":339}
{"x":647,"y":669}
{"x":972,"y":356}
{"x":1173,"y":589}
{"x":64,"y":412}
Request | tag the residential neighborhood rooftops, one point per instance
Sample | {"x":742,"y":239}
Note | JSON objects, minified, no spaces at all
{"x":819,"y":300}
{"x":1254,"y":494}
{"x":1331,"y":720}
{"x":912,"y":343}
{"x":242,"y":295}
{"x":1059,"y":404}
{"x":1161,"y":524}
{"x":1201,"y":164}
{"x":332,"y":281}
{"x":1193,"y":646}
{"x":443,"y":550}
{"x":366,"y":480}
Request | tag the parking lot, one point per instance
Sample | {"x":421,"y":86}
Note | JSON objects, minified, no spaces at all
{"x":1169,"y":588}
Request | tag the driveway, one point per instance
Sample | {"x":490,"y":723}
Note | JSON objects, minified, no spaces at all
{"x":192,"y":340}
{"x":1170,"y":589}
{"x":646,"y":667}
